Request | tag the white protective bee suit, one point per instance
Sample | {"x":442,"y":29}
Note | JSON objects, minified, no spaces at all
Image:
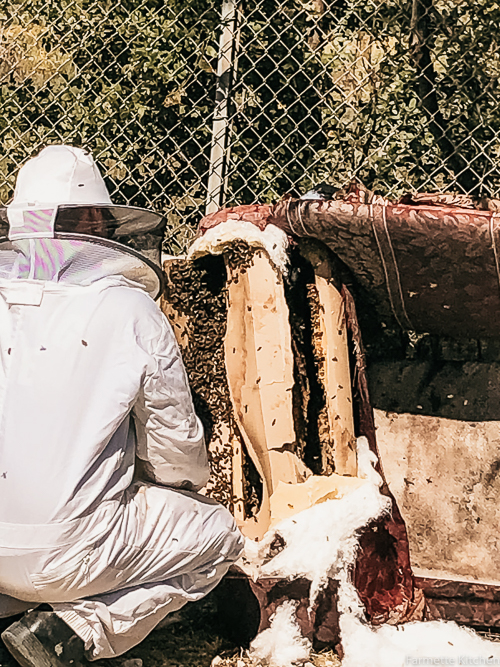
{"x":91,"y":378}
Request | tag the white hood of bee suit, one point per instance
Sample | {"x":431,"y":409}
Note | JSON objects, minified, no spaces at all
{"x":59,"y":175}
{"x":64,"y":176}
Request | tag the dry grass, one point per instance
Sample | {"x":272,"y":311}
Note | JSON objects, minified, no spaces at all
{"x":239,"y":658}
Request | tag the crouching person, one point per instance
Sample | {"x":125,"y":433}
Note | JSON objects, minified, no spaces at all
{"x":101,"y":452}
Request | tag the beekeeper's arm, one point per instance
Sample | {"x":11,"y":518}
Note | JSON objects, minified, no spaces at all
{"x":170,"y":444}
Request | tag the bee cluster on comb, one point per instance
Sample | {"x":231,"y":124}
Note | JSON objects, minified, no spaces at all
{"x":258,"y":360}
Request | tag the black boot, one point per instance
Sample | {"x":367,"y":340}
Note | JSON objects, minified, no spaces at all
{"x":42,"y":639}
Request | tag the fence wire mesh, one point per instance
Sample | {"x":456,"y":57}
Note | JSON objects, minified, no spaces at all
{"x":189,"y":104}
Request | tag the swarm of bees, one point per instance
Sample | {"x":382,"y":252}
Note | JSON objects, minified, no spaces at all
{"x":196,"y":296}
{"x":196,"y":302}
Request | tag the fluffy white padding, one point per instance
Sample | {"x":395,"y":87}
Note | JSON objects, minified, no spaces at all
{"x":282,"y":644}
{"x":273,"y":240}
{"x":367,"y":461}
{"x":429,"y":643}
{"x":322,"y":540}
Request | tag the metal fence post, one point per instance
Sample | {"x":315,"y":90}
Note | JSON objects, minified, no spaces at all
{"x":226,"y":64}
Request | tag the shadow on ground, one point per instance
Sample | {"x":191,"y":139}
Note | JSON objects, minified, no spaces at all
{"x":189,"y":638}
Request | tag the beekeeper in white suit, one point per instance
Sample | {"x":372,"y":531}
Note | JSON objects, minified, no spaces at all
{"x":92,"y":383}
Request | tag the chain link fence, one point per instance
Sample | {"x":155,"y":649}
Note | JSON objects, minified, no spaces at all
{"x":189,"y":105}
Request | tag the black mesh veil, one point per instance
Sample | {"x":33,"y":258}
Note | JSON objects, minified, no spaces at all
{"x":89,"y":242}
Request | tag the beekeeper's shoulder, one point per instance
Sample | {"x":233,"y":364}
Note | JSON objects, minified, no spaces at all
{"x":133,"y":306}
{"x":132,"y":302}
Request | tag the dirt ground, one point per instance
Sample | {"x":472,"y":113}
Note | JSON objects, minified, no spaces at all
{"x":176,"y":646}
{"x":192,"y":637}
{"x":189,"y":638}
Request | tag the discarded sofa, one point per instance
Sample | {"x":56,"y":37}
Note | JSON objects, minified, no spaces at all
{"x":274,"y":355}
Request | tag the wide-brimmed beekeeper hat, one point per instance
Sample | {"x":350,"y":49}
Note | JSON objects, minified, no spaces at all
{"x":60,"y":194}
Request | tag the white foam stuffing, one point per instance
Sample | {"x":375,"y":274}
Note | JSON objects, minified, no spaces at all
{"x":367,"y":461}
{"x":429,"y":643}
{"x":282,"y":644}
{"x":322,"y":540}
{"x":215,"y":240}
{"x":417,"y":643}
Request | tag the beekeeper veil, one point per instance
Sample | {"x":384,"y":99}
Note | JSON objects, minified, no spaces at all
{"x":62,"y":226}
